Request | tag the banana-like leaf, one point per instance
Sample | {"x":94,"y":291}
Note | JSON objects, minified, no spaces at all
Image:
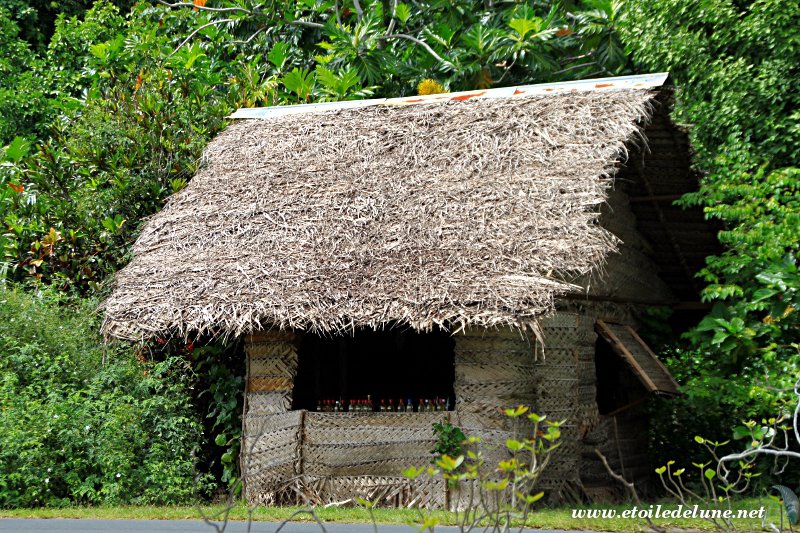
{"x":790,"y":502}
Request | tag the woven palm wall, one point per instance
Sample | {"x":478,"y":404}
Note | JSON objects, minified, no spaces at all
{"x":497,"y":369}
{"x":298,"y":457}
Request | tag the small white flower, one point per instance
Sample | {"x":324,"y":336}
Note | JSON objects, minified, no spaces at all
{"x":47,"y":480}
{"x":87,"y":428}
{"x":55,"y":416}
{"x":49,"y":470}
{"x":119,"y":475}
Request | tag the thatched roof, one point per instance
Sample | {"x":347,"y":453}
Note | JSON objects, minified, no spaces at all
{"x":444,"y":214}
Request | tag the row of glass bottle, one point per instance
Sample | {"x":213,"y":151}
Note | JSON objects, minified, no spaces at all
{"x":426,"y":405}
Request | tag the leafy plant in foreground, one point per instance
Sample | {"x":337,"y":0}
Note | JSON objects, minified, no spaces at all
{"x":493,"y":496}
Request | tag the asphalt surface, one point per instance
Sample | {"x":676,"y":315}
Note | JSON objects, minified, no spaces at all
{"x":61,"y":525}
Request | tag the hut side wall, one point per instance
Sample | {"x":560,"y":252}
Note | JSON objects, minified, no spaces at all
{"x":621,"y":438}
{"x":566,"y":391}
{"x":501,"y":369}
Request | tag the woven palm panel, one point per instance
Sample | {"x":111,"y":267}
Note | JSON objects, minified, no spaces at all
{"x":629,"y":274}
{"x":344,"y":436}
{"x":384,"y":491}
{"x":486,"y":346}
{"x":270,"y":384}
{"x":478,"y":372}
{"x":271,"y":335}
{"x":494,"y":371}
{"x":271,"y":369}
{"x":492,"y":446}
{"x":514,"y":355}
{"x":380,"y":421}
{"x":357,"y":465}
{"x":282,"y":363}
{"x":467,"y":422}
{"x":587,"y":373}
{"x":269,"y":486}
{"x":337,"y":444}
{"x":562,"y":387}
{"x":270,"y":447}
{"x":263,"y":403}
{"x":263,"y":425}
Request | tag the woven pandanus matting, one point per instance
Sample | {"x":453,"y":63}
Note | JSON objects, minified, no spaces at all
{"x":380,"y":444}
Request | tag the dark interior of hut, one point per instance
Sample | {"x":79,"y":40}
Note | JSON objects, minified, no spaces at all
{"x":618,"y":387}
{"x":383,"y":366}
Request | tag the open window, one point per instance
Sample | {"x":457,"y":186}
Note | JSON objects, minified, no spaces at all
{"x":385,"y":366}
{"x":627,"y":369}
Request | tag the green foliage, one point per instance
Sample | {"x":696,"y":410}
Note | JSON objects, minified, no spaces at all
{"x":123,"y":106}
{"x":220,"y":370}
{"x":790,"y":502}
{"x":724,"y":474}
{"x":78,"y":431}
{"x":134,"y":138}
{"x":499,"y":494}
{"x":23,"y":102}
{"x":449,"y":440}
{"x":735,"y":66}
{"x":714,"y":401}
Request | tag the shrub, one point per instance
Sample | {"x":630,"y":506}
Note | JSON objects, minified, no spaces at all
{"x":77,"y":430}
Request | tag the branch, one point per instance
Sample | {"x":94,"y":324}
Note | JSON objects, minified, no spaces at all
{"x":758,"y":451}
{"x":198,"y":30}
{"x":573,"y":67}
{"x":392,"y":20}
{"x":423,"y":44}
{"x":253,"y":36}
{"x":306,"y":23}
{"x":628,"y":485}
{"x":359,"y":11}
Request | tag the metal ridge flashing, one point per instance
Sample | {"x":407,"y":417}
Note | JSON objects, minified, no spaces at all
{"x":639,"y":81}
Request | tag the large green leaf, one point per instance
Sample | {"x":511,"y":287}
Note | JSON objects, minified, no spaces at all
{"x":790,"y":502}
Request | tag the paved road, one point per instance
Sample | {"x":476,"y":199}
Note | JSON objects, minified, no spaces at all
{"x":61,"y":525}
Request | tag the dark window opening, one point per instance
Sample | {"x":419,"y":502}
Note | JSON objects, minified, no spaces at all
{"x":385,"y":366}
{"x":617,"y":385}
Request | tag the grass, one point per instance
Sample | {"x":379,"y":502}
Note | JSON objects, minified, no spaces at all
{"x":548,"y":518}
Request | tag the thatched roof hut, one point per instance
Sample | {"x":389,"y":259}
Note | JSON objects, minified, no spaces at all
{"x":465,"y":213}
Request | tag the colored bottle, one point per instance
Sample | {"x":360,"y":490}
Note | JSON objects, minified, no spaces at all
{"x":409,"y":406}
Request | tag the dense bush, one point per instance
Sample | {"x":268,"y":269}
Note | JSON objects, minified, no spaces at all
{"x":735,"y":65}
{"x":77,"y":430}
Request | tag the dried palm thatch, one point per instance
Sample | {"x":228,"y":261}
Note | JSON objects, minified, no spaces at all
{"x":447,"y":214}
